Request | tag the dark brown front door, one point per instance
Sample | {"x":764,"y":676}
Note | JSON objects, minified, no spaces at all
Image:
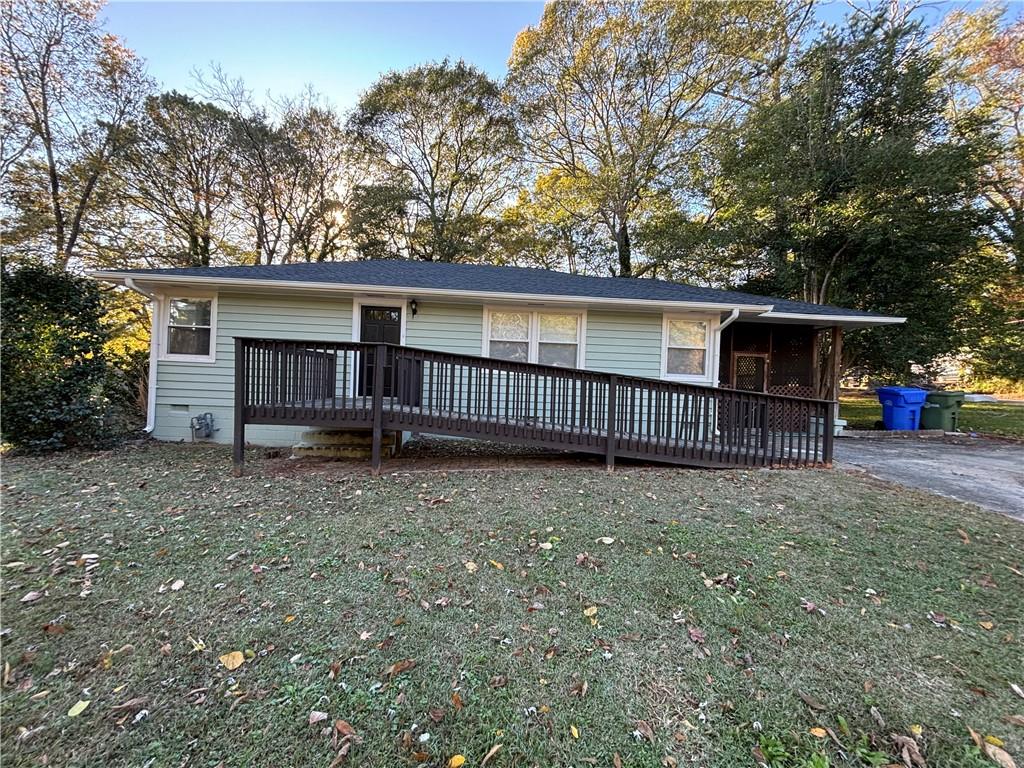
{"x":749,"y":372}
{"x":378,"y":325}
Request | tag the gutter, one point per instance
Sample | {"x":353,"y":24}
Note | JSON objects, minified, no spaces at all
{"x":391,"y":290}
{"x":718,"y":345}
{"x":154,"y":344}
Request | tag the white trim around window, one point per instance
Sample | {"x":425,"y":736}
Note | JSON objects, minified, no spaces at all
{"x":166,"y":301}
{"x":710,"y":323}
{"x":533,"y":340}
{"x":357,"y":313}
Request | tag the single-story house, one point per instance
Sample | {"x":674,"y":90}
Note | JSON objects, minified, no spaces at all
{"x":666,"y":341}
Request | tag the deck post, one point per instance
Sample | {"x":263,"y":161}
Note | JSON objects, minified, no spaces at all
{"x":828,"y":439}
{"x":378,"y":408}
{"x":610,"y":433}
{"x":239,"y":425}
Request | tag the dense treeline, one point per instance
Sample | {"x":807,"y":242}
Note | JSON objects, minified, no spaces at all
{"x":878,"y":165}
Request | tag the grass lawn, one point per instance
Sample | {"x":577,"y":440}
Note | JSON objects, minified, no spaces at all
{"x":1005,"y":419}
{"x":797,"y":617}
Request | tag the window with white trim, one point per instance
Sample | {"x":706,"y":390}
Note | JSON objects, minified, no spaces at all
{"x":190,"y":327}
{"x":686,"y":347}
{"x":549,"y":338}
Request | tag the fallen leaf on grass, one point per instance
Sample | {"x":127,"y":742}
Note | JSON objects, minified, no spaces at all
{"x":289,"y":618}
{"x":1017,"y":689}
{"x":574,"y":731}
{"x":472,"y":567}
{"x":343,"y":728}
{"x":177,"y":585}
{"x":457,"y":701}
{"x":590,"y":612}
{"x":644,"y":730}
{"x":963,"y":536}
{"x":317,"y":717}
{"x":988,"y":625}
{"x":997,"y":755}
{"x":399,"y":667}
{"x":490,"y":753}
{"x":31,"y":597}
{"x":497,"y":565}
{"x":456,"y":761}
{"x":232,"y":660}
{"x":697,"y":635}
{"x":605,"y":540}
{"x":810,"y":701}
{"x":908,"y":750}
{"x":1014,"y":720}
{"x":818,"y":733}
{"x":78,"y":709}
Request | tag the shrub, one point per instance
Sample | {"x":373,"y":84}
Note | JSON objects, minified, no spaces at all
{"x":54,"y":367}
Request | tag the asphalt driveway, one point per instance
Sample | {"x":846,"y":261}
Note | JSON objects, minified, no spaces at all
{"x":988,"y":473}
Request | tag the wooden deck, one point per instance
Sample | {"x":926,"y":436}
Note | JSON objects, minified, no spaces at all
{"x":385,"y":387}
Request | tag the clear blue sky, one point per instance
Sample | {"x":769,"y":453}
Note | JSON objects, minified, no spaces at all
{"x":340,"y":48}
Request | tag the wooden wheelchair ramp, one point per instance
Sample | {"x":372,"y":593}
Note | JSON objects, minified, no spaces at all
{"x":382,"y":387}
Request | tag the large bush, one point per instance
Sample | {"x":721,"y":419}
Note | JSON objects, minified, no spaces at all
{"x":52,"y":360}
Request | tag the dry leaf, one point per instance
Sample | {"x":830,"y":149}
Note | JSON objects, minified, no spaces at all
{"x":78,"y":709}
{"x":963,"y":536}
{"x":697,"y":635}
{"x":490,"y":753}
{"x":343,"y":728}
{"x":399,"y":667}
{"x":575,"y":731}
{"x":616,"y":761}
{"x":472,"y":567}
{"x":317,"y":717}
{"x":289,"y":618}
{"x":457,"y":701}
{"x":456,"y":761}
{"x":591,"y":611}
{"x":1014,"y":720}
{"x":31,"y":597}
{"x":232,"y":660}
{"x":1017,"y":689}
{"x":177,"y":585}
{"x":605,"y":540}
{"x":987,"y":625}
{"x":908,"y":750}
{"x":497,"y":565}
{"x":644,"y":729}
{"x":810,"y":701}
{"x":818,"y":733}
{"x":996,"y":754}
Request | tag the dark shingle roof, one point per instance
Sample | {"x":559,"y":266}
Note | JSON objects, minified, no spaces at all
{"x":479,"y":278}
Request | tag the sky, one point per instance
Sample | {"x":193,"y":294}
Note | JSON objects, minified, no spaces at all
{"x":340,"y":48}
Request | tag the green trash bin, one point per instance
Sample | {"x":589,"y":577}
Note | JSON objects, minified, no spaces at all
{"x":941,"y":410}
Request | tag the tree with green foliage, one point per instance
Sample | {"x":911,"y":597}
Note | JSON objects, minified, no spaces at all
{"x":53,"y":361}
{"x":616,"y":98}
{"x":441,"y":135}
{"x":71,"y":95}
{"x":856,"y":189}
{"x":179,"y":176}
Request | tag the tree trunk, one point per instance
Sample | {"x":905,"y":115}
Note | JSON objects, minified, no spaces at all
{"x":623,"y":247}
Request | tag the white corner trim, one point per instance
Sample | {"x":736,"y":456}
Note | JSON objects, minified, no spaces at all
{"x":711,"y":325}
{"x":166,"y":299}
{"x":716,"y":341}
{"x":372,"y":301}
{"x":533,"y":339}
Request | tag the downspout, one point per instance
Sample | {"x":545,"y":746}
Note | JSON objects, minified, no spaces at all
{"x":718,"y":343}
{"x":154,"y":342}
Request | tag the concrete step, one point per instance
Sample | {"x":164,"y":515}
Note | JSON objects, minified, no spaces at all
{"x":301,"y":450}
{"x":345,"y":437}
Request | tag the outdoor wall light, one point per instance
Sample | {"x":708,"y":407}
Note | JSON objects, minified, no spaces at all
{"x":413,"y":307}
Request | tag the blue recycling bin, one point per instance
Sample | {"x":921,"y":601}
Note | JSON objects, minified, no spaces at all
{"x":901,"y":406}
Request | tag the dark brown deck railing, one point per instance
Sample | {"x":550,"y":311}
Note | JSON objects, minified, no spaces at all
{"x":384,"y":387}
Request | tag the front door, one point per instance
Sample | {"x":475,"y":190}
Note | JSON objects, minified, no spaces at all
{"x":749,"y":372}
{"x":378,"y":325}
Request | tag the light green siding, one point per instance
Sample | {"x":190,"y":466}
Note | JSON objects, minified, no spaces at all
{"x":624,"y":342}
{"x":455,"y":328}
{"x":186,"y":389}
